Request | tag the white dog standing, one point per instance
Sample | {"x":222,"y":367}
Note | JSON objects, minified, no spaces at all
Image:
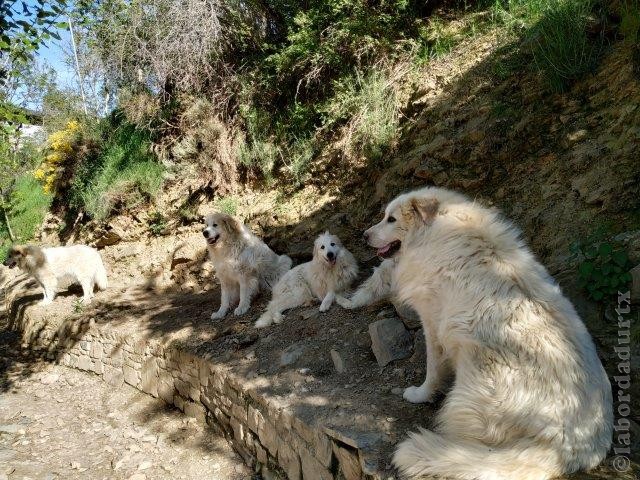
{"x":332,"y":269}
{"x":531,"y":400}
{"x":60,"y":266}
{"x":244,"y":264}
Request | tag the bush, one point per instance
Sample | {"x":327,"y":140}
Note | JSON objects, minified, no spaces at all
{"x":123,"y":174}
{"x":561,"y":49}
{"x":28,"y":206}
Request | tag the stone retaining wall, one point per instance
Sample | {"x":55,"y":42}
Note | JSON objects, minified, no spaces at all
{"x":265,"y":435}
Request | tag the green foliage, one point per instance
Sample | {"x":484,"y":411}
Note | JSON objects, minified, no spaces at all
{"x":26,"y":209}
{"x":561,"y":48}
{"x":630,"y":21}
{"x":157,"y":224}
{"x":603,"y":268}
{"x":555,"y":34}
{"x":228,"y":205}
{"x":124,"y":172}
{"x":78,"y":305}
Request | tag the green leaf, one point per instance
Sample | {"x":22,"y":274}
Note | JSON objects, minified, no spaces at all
{"x":620,"y":257}
{"x":585,"y":269}
{"x":605,"y":249}
{"x":606,"y":268}
{"x":597,"y":295}
{"x":613,"y":281}
{"x":591,"y":252}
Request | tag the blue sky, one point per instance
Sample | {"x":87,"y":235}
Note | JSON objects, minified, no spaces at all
{"x":53,"y":54}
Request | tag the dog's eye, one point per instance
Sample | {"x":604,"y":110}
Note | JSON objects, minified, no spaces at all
{"x":391,"y":219}
{"x":322,"y":247}
{"x":333,"y":244}
{"x":214,"y":225}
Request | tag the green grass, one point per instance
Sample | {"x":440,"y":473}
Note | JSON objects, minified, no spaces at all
{"x":630,"y":21}
{"x":228,"y":205}
{"x":122,"y":175}
{"x":554,"y":33}
{"x":28,"y":207}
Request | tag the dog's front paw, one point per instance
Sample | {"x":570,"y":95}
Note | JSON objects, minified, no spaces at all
{"x":218,"y":315}
{"x":241,"y":310}
{"x":344,"y":302}
{"x":45,"y":302}
{"x":325,"y":306}
{"x":263,"y":322}
{"x":417,"y":394}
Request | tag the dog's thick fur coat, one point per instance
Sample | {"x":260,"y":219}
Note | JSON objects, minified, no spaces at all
{"x":530,"y":400}
{"x":56,"y":267}
{"x":244,"y":264}
{"x":374,"y":289}
{"x":332,"y":269}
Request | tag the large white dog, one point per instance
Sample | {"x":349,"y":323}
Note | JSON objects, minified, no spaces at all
{"x":244,"y":264}
{"x":332,"y":269}
{"x":530,"y":400}
{"x":56,"y":267}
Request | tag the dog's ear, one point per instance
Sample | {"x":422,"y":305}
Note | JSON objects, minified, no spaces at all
{"x":425,"y":209}
{"x":36,"y":254}
{"x":231,"y":224}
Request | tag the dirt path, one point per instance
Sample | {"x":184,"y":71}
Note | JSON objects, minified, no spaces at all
{"x":58,"y":423}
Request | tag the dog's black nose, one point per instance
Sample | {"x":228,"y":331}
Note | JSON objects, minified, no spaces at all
{"x":205,"y":232}
{"x":330,"y":255}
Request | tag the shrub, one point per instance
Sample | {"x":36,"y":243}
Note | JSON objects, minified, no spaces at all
{"x":630,"y":21}
{"x":121,"y":175}
{"x":27,"y":208}
{"x":561,"y":49}
{"x":371,"y":106}
{"x":603,"y":269}
{"x":61,"y":148}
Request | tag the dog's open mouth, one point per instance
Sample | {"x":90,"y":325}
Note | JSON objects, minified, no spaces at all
{"x":331,"y":261}
{"x":389,"y":250}
{"x":10,"y":264}
{"x":213,"y":240}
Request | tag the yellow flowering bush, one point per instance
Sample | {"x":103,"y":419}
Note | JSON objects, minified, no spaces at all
{"x":60,"y":146}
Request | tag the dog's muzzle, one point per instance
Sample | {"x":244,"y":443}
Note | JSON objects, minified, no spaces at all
{"x":9,"y":263}
{"x":331,"y":258}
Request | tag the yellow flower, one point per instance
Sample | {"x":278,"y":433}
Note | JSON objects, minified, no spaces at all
{"x":73,"y":126}
{"x":39,"y":173}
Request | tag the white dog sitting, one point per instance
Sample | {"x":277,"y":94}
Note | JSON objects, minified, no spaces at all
{"x":531,"y":400}
{"x":331,"y":270}
{"x":244,"y":263}
{"x":60,"y":266}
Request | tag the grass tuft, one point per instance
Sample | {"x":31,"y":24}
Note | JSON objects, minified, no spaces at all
{"x":27,"y":208}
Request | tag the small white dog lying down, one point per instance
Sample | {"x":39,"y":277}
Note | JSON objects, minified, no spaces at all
{"x":244,"y":264}
{"x":60,"y":266}
{"x":331,"y":270}
{"x":530,"y":400}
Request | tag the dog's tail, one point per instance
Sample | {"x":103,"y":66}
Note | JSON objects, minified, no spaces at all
{"x":101,"y":275}
{"x":284,"y":265}
{"x":428,"y":453}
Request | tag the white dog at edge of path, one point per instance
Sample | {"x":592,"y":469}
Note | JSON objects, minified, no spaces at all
{"x":244,"y":264}
{"x":60,"y":266}
{"x":332,"y":269}
{"x":531,"y":400}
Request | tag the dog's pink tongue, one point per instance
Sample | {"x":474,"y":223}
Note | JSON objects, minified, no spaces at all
{"x":383,"y":250}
